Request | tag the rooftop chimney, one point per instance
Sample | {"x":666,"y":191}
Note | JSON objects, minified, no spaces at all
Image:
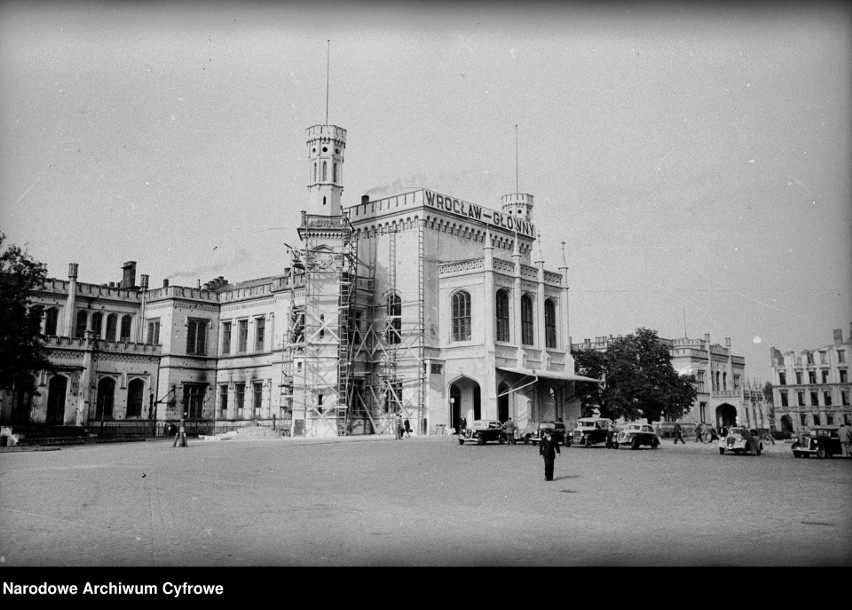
{"x":72,"y":270}
{"x":838,"y":337}
{"x":166,"y":283}
{"x":128,"y":278}
{"x":365,"y":198}
{"x":144,"y":281}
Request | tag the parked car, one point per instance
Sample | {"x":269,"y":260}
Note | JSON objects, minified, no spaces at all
{"x":482,"y":431}
{"x":637,"y":435}
{"x":591,"y":431}
{"x":534,"y":432}
{"x":822,"y":442}
{"x":741,"y":440}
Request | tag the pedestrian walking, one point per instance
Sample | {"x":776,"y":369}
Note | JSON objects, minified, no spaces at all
{"x":699,"y":433}
{"x":678,"y":434}
{"x":509,"y":429}
{"x":548,"y":448}
{"x":407,"y":426}
{"x":399,"y":427}
{"x":610,"y":433}
{"x":845,"y":434}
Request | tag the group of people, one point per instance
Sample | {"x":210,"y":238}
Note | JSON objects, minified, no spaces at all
{"x":845,"y":434}
{"x":403,"y":428}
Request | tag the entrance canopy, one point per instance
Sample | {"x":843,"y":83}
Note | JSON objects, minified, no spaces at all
{"x":537,"y":373}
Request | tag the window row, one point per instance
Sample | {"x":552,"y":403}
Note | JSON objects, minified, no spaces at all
{"x":256,"y":398}
{"x":817,"y":419}
{"x":461,"y":318}
{"x":813,"y":379}
{"x":242,"y":336}
{"x":109,"y":326}
{"x":814,"y":398}
{"x":823,"y":357}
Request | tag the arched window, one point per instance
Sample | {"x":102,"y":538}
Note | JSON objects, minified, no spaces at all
{"x":51,"y":317}
{"x":315,"y":171}
{"x":394,"y":315}
{"x":502,"y":307}
{"x":126,"y":321}
{"x":461,"y":316}
{"x":97,"y":323}
{"x":527,"y":336}
{"x":135,"y":391}
{"x":112,"y":325}
{"x":324,"y":171}
{"x":550,"y":323}
{"x":82,"y":323}
{"x":106,"y":397}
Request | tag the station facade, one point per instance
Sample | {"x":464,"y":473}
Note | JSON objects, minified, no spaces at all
{"x":418,"y":306}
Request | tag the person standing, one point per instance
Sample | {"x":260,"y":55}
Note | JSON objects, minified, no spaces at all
{"x":399,"y":427}
{"x":699,"y":433}
{"x":845,"y":434}
{"x":548,"y":448}
{"x":678,"y":434}
{"x":509,"y":428}
{"x":407,"y":426}
{"x":610,"y":433}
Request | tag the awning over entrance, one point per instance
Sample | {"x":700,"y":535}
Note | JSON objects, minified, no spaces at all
{"x":537,"y":373}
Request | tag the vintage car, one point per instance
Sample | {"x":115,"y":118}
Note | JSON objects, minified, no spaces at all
{"x":637,"y":435}
{"x":591,"y":431}
{"x":822,"y":442}
{"x":534,"y":432}
{"x":741,"y":440}
{"x":482,"y":431}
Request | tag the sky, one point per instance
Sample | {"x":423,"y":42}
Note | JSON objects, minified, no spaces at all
{"x":691,"y":161}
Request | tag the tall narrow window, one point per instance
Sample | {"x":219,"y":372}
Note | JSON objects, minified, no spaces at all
{"x":154,"y":332}
{"x":334,"y":172}
{"x":135,"y":391}
{"x":461,"y":316}
{"x":196,"y":331}
{"x":259,"y":330}
{"x":550,"y":323}
{"x":841,"y":355}
{"x":324,"y":171}
{"x":782,"y":379}
{"x":226,"y":338}
{"x":243,"y":336}
{"x":126,"y":321}
{"x":394,"y":316}
{"x":527,"y":336}
{"x":82,"y":323}
{"x":193,"y":395}
{"x":239,"y":397}
{"x":826,"y":399}
{"x":51,"y":317}
{"x":700,"y":379}
{"x":502,"y":308}
{"x":257,"y":400}
{"x":223,"y":398}
{"x":112,"y":327}
{"x":97,"y":324}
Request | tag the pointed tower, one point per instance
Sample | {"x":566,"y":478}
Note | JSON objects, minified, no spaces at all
{"x":517,"y":204}
{"x":326,"y":144}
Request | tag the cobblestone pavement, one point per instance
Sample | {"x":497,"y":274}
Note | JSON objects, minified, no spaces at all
{"x":377,"y":501}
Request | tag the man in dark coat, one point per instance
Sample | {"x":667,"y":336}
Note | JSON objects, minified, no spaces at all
{"x":548,"y":448}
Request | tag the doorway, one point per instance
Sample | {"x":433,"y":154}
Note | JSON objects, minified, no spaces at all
{"x":56,"y":400}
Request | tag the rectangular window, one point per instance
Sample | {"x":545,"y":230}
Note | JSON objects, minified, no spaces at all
{"x":226,"y":338}
{"x":841,"y":355}
{"x":549,"y":324}
{"x":82,"y":323}
{"x":126,"y":322}
{"x":812,"y":377}
{"x":798,"y":378}
{"x":784,"y":402}
{"x":193,"y":396}
{"x":829,"y":419}
{"x":736,"y":383}
{"x":782,"y":379}
{"x":502,"y":307}
{"x":196,"y":333}
{"x":816,"y":420}
{"x":703,"y":410}
{"x":803,"y":418}
{"x":801,"y":397}
{"x":257,"y":397}
{"x":700,"y":380}
{"x":223,"y":398}
{"x":822,"y":358}
{"x":153,"y":332}
{"x":243,"y":336}
{"x":810,"y":357}
{"x":843,"y":375}
{"x":825,"y":376}
{"x":826,"y":399}
{"x":844,"y":398}
{"x":527,"y":337}
{"x":437,"y":369}
{"x":239,"y":397}
{"x":259,"y":330}
{"x":814,"y":398}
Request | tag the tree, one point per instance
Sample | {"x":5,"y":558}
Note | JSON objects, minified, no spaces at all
{"x":639,"y":380}
{"x":22,"y":348}
{"x":591,"y":363}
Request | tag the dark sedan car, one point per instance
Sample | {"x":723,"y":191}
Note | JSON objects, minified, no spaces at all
{"x":534,"y":432}
{"x":822,"y":442}
{"x":482,"y":431}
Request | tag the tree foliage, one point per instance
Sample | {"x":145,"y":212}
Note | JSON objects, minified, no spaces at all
{"x":639,"y":380}
{"x":22,"y":349}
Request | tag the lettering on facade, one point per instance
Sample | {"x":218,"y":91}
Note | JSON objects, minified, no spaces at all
{"x":475,"y":212}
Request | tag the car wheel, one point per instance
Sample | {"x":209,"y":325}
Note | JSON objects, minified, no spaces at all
{"x":655,"y":443}
{"x":721,"y":451}
{"x":797,"y":454}
{"x":587,"y":442}
{"x":461,"y":441}
{"x":822,"y":453}
{"x":615,"y":444}
{"x":635,"y":444}
{"x":480,"y":440}
{"x":527,"y":439}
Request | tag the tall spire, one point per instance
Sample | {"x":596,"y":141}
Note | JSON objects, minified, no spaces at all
{"x":327,"y":64}
{"x":517,"y":188}
{"x":517,"y":204}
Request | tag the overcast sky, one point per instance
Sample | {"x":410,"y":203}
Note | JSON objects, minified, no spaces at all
{"x":694,"y":159}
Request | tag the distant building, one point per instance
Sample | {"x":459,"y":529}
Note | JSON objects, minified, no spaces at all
{"x":725,"y":397}
{"x":812,"y":388}
{"x":418,"y":304}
